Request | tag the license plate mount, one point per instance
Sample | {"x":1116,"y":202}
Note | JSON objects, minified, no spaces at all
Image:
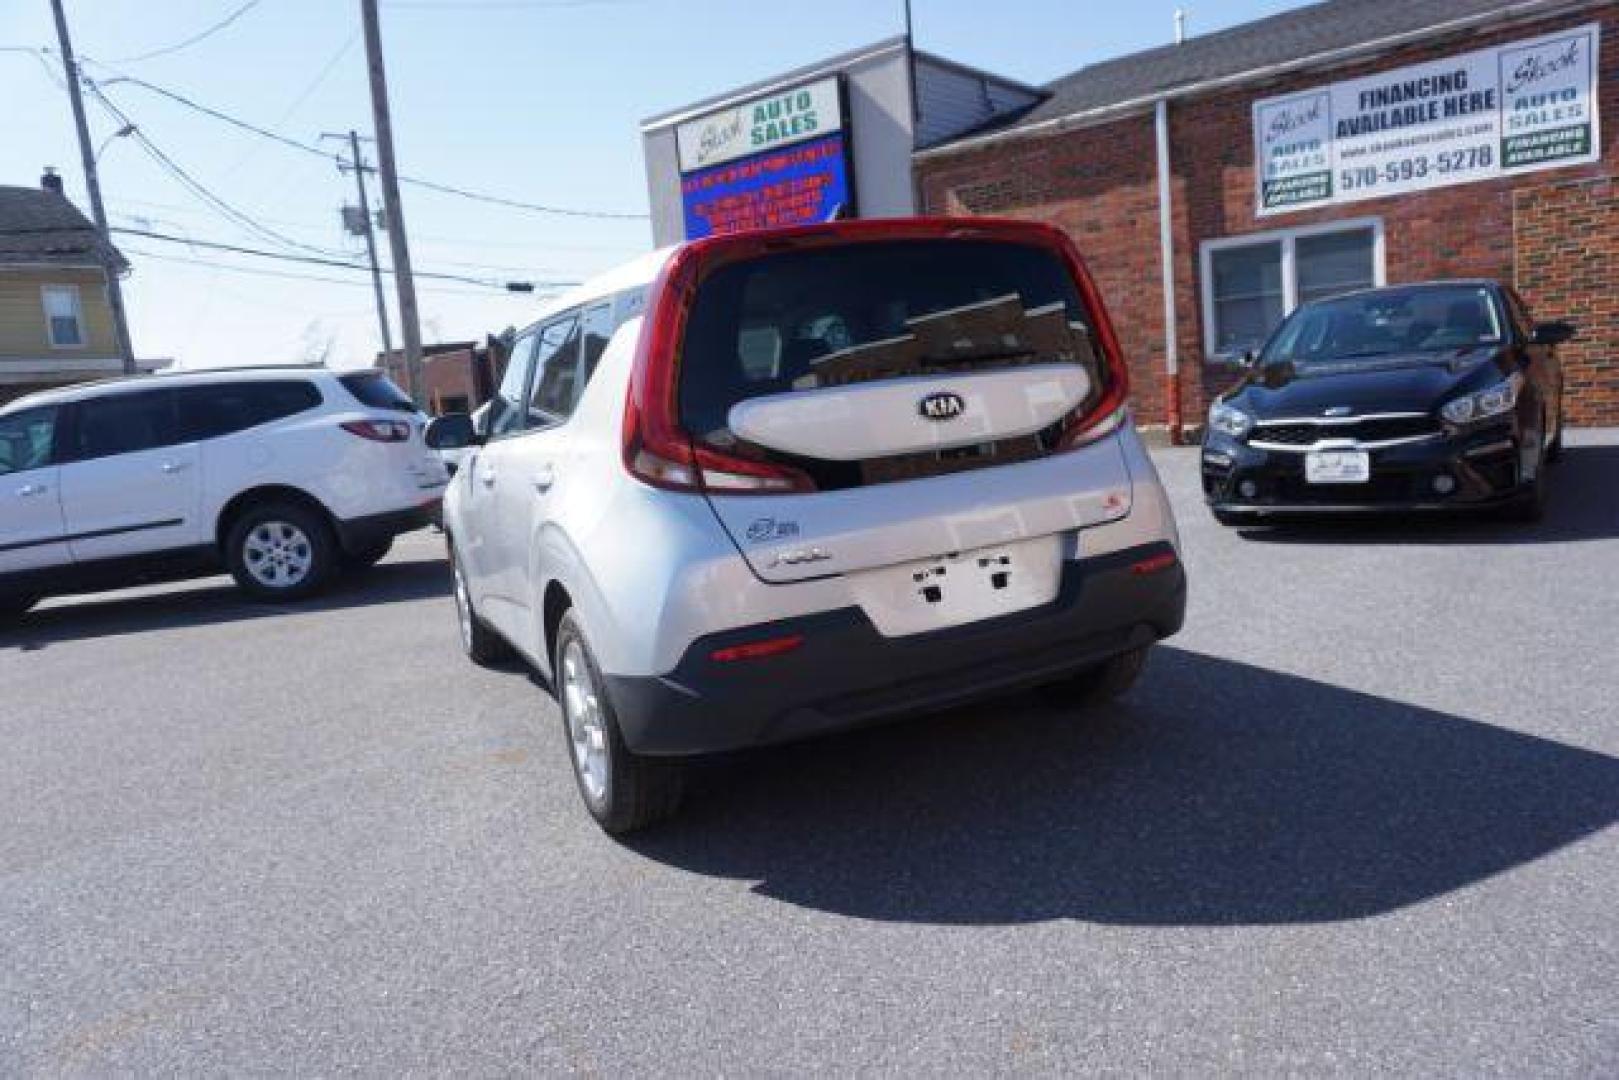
{"x":1337,"y":467}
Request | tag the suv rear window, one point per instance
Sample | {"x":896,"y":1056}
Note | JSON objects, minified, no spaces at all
{"x":208,"y":412}
{"x":375,"y":389}
{"x":807,"y":319}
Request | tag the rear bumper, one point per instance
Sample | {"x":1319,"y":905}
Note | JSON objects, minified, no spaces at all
{"x":846,"y":674}
{"x":356,"y":534}
{"x":1481,"y":468}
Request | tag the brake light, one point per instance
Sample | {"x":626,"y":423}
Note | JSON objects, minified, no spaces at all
{"x":656,"y":451}
{"x":389,"y":431}
{"x":755,"y":650}
{"x":1154,"y":564}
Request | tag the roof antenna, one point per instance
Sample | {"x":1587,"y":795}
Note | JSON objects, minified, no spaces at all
{"x":1180,"y":26}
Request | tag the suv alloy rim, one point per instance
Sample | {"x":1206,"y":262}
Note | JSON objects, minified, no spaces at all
{"x":581,"y":707}
{"x":278,"y":554}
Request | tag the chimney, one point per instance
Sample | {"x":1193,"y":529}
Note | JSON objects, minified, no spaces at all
{"x":51,"y":181}
{"x":1180,"y":26}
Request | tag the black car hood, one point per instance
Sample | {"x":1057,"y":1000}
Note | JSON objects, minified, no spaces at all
{"x":1404,"y":383}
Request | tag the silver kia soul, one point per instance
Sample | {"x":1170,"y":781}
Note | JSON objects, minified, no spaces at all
{"x":761,"y":487}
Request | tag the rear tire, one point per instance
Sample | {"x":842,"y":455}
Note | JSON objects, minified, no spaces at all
{"x":1100,"y":684}
{"x":281,"y":551}
{"x":623,"y":791}
{"x":482,"y":645}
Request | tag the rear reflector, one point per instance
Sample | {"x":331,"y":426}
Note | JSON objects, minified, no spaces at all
{"x":1155,"y":564}
{"x":754,"y":650}
{"x":378,"y":430}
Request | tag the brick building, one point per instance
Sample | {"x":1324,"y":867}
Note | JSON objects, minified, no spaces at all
{"x":1189,"y":120}
{"x":456,"y":376}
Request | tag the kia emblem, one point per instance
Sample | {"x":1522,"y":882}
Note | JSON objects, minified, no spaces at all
{"x":942,"y":405}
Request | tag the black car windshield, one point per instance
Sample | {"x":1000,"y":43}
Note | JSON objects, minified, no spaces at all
{"x":1386,"y":322}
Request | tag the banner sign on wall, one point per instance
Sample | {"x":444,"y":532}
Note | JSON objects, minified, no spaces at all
{"x":799,"y":185}
{"x":1518,"y":107}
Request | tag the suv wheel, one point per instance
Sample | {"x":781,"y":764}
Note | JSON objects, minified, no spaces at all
{"x":1100,"y":684}
{"x":482,"y":645}
{"x":622,"y":791}
{"x":280,"y":551}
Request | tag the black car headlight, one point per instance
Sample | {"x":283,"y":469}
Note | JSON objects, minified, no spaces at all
{"x":1229,"y":420}
{"x":1491,"y":401}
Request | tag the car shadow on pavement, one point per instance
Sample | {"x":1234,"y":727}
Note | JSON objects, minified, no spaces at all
{"x":1580,"y":505}
{"x":214,"y":601}
{"x":1215,"y":794}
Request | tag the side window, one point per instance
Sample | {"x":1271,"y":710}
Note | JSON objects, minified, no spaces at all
{"x":506,"y":408}
{"x":26,"y":438}
{"x":599,"y":327}
{"x":556,"y":372}
{"x":208,"y":412}
{"x":125,"y":424}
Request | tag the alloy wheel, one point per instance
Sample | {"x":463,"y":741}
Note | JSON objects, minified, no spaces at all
{"x":587,"y":729}
{"x":278,"y":554}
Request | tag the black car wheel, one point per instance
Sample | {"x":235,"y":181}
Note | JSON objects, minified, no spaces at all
{"x":1529,"y":506}
{"x":623,"y":791}
{"x":482,"y":645}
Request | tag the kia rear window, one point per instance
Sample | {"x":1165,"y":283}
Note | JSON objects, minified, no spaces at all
{"x":375,"y":389}
{"x":802,"y":320}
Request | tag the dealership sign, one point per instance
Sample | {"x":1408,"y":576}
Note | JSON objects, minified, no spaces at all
{"x":778,"y":159}
{"x":760,"y":124}
{"x":1496,"y":112}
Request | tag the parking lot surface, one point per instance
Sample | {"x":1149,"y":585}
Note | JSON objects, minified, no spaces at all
{"x":1357,"y":817}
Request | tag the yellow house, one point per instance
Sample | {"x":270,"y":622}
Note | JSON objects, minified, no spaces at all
{"x":55,"y":320}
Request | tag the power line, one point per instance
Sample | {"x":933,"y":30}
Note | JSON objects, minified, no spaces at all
{"x":314,"y":261}
{"x":260,"y":271}
{"x":315,"y":151}
{"x":231,"y":213}
{"x":193,"y":39}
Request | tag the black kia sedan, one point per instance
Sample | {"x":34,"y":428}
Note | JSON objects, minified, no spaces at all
{"x":1439,"y":396}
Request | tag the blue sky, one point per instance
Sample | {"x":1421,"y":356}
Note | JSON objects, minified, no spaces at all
{"x":537,"y":100}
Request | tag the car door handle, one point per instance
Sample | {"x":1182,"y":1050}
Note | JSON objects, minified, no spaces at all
{"x":486,"y":477}
{"x":32,"y":489}
{"x":172,"y":467}
{"x":544,"y":477}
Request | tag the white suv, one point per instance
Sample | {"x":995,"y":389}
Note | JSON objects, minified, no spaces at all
{"x":281,"y":475}
{"x":766,"y":486}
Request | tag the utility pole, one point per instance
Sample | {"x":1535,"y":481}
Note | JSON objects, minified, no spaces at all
{"x":370,"y":236}
{"x":409,"y":321}
{"x":92,"y":183}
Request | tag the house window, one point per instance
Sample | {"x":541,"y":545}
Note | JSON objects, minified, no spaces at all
{"x":64,"y":318}
{"x":1251,"y":283}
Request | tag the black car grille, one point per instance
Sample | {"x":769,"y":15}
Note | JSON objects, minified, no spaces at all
{"x":1372,"y":429}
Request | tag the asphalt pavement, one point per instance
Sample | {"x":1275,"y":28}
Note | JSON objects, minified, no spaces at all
{"x":1358,"y":817}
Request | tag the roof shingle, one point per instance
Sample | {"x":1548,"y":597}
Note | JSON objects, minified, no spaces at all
{"x":39,"y":226}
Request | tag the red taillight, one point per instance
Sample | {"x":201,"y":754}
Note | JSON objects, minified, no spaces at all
{"x":656,"y":450}
{"x":1154,"y":564}
{"x":754,"y":650}
{"x":378,"y":430}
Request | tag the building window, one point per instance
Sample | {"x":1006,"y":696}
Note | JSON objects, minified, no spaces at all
{"x":1250,"y":283}
{"x":64,"y":318}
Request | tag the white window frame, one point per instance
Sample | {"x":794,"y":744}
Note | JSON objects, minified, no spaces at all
{"x":78,"y":316}
{"x":1290,"y":283}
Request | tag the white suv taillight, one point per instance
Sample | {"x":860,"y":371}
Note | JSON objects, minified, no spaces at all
{"x":391,"y":431}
